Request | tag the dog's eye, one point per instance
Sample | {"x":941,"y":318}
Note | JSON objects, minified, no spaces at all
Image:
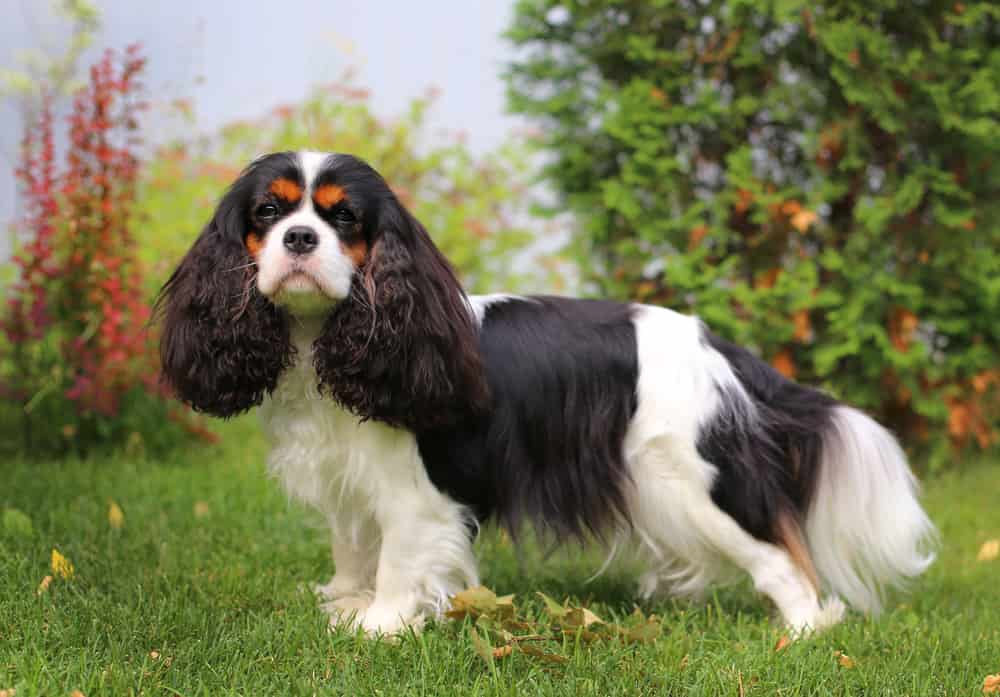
{"x":344,"y":216}
{"x":266,"y":211}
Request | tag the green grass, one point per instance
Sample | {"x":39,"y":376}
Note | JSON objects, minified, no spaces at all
{"x":177,"y":603}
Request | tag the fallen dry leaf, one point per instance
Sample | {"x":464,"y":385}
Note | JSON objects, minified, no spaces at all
{"x":10,"y":692}
{"x":991,"y":685}
{"x":501,"y":651}
{"x":61,"y":566}
{"x":989,"y":551}
{"x":542,"y":654}
{"x":844,"y":660}
{"x":154,"y":655}
{"x":42,"y":587}
{"x":200,"y":509}
{"x":116,"y":519}
{"x":783,"y":643}
{"x":76,"y":693}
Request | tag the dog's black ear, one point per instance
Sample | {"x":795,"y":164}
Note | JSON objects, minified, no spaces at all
{"x":223,"y":345}
{"x":403,"y":348}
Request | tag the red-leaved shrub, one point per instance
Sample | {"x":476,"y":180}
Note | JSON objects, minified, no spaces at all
{"x":78,"y":366}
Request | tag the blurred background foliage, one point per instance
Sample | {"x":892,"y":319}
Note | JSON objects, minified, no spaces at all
{"x":816,"y":180}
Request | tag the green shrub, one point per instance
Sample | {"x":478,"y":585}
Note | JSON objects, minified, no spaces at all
{"x":817,"y":180}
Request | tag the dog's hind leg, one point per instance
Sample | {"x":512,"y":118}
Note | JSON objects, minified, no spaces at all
{"x":673,"y":509}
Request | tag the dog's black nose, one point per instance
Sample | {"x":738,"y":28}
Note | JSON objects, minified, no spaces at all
{"x":300,"y":239}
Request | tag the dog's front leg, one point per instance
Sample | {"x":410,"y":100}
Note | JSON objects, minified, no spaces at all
{"x":425,"y":558}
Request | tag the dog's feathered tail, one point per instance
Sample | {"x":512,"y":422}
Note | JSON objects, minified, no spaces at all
{"x":865,"y":528}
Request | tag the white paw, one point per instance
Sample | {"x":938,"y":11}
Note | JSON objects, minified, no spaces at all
{"x":825,"y":615}
{"x":346,"y":610}
{"x":388,"y":621}
{"x":339,"y":585}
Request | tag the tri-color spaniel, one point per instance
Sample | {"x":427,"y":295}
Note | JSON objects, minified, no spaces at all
{"x":408,"y":412}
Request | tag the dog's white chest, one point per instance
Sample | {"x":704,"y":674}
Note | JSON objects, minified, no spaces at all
{"x":323,"y":454}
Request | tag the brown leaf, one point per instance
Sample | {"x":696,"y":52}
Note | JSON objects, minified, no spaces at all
{"x":791,"y":208}
{"x":989,"y":551}
{"x":783,"y":643}
{"x":902,"y":324}
{"x":804,"y":219}
{"x":803,"y":326}
{"x":44,"y":585}
{"x":783,"y":363}
{"x":533,"y":650}
{"x":744,"y":201}
{"x":502,"y":651}
{"x":844,"y":660}
{"x":200,"y":509}
{"x":696,"y":235}
{"x":659,"y":95}
{"x":991,"y":685}
{"x":767,"y":279}
{"x":479,"y":601}
{"x":76,"y":693}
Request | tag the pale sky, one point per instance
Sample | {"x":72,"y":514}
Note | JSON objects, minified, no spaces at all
{"x":238,"y":59}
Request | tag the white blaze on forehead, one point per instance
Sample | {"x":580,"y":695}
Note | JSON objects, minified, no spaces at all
{"x":311,"y":162}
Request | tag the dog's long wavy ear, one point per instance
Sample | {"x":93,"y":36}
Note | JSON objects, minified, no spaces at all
{"x":403,"y":348}
{"x":223,"y":345}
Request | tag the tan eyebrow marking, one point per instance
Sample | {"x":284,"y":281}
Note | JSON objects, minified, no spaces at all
{"x":254,"y":245}
{"x":328,"y":195}
{"x":286,"y":189}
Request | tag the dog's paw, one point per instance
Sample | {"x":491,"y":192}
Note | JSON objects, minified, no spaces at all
{"x":388,"y":622}
{"x":347,"y":610}
{"x":338,"y":586}
{"x":830,"y":612}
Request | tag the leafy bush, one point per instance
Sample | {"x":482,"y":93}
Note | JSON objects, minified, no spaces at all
{"x":76,"y":367}
{"x":817,"y":180}
{"x":470,"y":204}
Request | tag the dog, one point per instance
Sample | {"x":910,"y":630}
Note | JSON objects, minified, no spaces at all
{"x":408,"y":412}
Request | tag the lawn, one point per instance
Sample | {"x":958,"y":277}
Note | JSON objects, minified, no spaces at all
{"x":201,"y":591}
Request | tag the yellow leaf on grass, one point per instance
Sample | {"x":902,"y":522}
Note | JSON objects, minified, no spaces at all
{"x":991,"y":685}
{"x":61,"y":566}
{"x":8,"y":693}
{"x":844,"y":660}
{"x":42,"y":587}
{"x":783,"y":643}
{"x":116,"y":519}
{"x":989,"y":551}
{"x":76,"y":693}
{"x":200,"y":509}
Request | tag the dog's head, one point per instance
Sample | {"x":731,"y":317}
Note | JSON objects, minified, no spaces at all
{"x":320,"y":237}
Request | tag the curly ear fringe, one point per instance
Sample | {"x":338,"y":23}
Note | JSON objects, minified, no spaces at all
{"x":223,"y":345}
{"x":402,"y":348}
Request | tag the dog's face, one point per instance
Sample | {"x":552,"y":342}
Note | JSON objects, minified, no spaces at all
{"x":310,"y":219}
{"x":307,"y":234}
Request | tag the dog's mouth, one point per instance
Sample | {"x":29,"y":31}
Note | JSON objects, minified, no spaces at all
{"x":302,"y":294}
{"x":297,"y":281}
